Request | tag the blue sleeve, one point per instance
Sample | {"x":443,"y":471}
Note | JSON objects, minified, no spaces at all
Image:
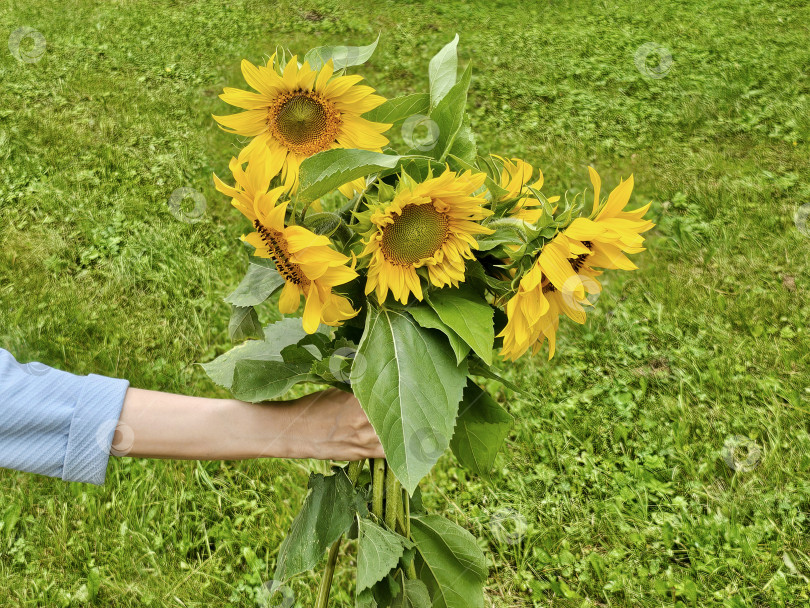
{"x":55,"y":423}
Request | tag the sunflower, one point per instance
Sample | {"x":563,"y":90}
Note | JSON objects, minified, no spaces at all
{"x":565,"y":271}
{"x":430,"y":224}
{"x":299,"y":112}
{"x":612,"y":232}
{"x":553,"y":286}
{"x":514,"y":178}
{"x":307,"y":262}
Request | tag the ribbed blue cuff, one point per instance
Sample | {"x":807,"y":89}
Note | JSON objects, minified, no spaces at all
{"x":95,"y":418}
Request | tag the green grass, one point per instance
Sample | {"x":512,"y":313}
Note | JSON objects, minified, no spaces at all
{"x":614,"y":474}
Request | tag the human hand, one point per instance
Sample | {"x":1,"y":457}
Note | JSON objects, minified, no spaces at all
{"x":331,"y":425}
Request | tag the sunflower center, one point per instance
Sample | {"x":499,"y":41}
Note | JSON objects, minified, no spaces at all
{"x":417,"y":233}
{"x":303,"y":121}
{"x":277,"y":247}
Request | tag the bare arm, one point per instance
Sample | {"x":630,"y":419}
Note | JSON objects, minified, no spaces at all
{"x":329,"y":425}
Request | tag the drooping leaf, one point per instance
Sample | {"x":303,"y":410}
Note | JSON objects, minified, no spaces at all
{"x":244,"y":324}
{"x":410,"y":386}
{"x":257,"y":381}
{"x":482,"y":426}
{"x":328,"y":170}
{"x":277,"y":336}
{"x":328,"y":512}
{"x":449,"y":115}
{"x":365,"y":599}
{"x":427,"y":317}
{"x":467,"y":314}
{"x":342,"y":56}
{"x":452,"y":565}
{"x":442,"y":71}
{"x":399,"y":108}
{"x":378,"y":553}
{"x":259,"y":283}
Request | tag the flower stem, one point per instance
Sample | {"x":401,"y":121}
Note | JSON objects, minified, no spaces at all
{"x":326,"y":581}
{"x":378,"y":487}
{"x":393,"y":500}
{"x":355,"y":468}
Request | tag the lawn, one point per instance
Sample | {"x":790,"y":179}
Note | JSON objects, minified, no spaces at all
{"x":616,"y":487}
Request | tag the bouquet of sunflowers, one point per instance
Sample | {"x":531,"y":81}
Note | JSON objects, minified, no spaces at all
{"x":413,"y":268}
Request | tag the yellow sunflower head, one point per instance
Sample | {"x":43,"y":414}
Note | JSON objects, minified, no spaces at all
{"x":297,"y":112}
{"x":515,"y":177}
{"x":610,"y":232}
{"x":431,"y":224}
{"x":307,"y":262}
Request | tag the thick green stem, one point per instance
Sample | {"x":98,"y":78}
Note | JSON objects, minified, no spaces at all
{"x":355,"y":468}
{"x":378,"y":487}
{"x":393,"y":500}
{"x":329,"y":573}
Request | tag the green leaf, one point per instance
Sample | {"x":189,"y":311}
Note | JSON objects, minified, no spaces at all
{"x":365,"y":599}
{"x":257,"y":381}
{"x":429,"y":318}
{"x":328,"y":512}
{"x":342,"y":56}
{"x":482,"y":426}
{"x":277,"y":336}
{"x":467,"y":314}
{"x":328,"y":170}
{"x":324,"y":223}
{"x":398,"y":109}
{"x":409,"y":386}
{"x":378,"y":553}
{"x":449,"y":115}
{"x":464,"y":146}
{"x":465,"y":165}
{"x":244,"y":324}
{"x":453,"y":566}
{"x":478,"y":368}
{"x":442,"y":71}
{"x":259,"y":283}
{"x":414,"y":594}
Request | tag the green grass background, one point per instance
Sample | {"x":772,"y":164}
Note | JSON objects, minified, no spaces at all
{"x":613,"y":475}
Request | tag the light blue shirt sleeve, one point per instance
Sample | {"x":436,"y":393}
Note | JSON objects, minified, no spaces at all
{"x":55,"y":423}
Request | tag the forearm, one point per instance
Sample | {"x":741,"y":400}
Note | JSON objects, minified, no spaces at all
{"x":163,"y":425}
{"x":329,"y":425}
